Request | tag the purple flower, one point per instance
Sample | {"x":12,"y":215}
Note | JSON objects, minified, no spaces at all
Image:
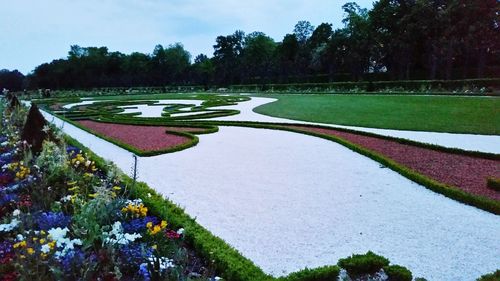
{"x":50,"y":220}
{"x":139,"y":225}
{"x":73,"y":260}
{"x":144,"y":272}
{"x":135,"y":254}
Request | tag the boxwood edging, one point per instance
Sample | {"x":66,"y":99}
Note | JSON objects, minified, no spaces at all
{"x":454,"y":193}
{"x":193,"y":139}
{"x":229,"y":263}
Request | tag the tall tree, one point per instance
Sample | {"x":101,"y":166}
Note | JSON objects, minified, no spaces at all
{"x":227,"y":57}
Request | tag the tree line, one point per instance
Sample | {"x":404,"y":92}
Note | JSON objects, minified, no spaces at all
{"x":396,"y":39}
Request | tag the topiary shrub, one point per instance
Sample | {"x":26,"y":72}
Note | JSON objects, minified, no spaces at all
{"x":490,"y":277}
{"x":357,"y":265}
{"x":397,"y":273}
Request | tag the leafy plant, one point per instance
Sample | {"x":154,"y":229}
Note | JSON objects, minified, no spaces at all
{"x":397,"y":273}
{"x":495,"y":276}
{"x":357,"y":265}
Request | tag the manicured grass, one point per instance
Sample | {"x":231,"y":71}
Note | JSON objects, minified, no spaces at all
{"x":476,"y":115}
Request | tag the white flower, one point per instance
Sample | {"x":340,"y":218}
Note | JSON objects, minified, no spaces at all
{"x":180,"y":231}
{"x":6,"y":227}
{"x":116,"y":235}
{"x":45,"y":248}
{"x":19,"y":237}
{"x":16,"y":213}
{"x":165,"y":263}
{"x":58,"y":234}
{"x":66,"y":198}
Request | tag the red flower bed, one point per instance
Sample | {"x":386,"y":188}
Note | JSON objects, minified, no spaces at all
{"x":465,"y":172}
{"x":145,"y":138}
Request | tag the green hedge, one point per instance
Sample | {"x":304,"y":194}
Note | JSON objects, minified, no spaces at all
{"x":481,"y":202}
{"x":397,"y":273}
{"x":358,"y":265}
{"x":436,"y":86}
{"x":229,"y":263}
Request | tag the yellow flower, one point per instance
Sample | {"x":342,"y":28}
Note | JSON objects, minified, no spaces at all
{"x":42,"y":232}
{"x":93,"y":195}
{"x":52,"y":245}
{"x":43,"y":255}
{"x":30,"y":251}
{"x":117,"y":188}
{"x":35,"y":238}
{"x":42,"y":241}
{"x":154,"y":247}
{"x":149,"y":225}
{"x":163,"y":224}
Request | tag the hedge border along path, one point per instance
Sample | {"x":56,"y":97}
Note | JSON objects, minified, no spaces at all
{"x":233,"y":259}
{"x":429,"y":180}
{"x":468,"y":173}
{"x":227,"y":260}
{"x":145,"y":140}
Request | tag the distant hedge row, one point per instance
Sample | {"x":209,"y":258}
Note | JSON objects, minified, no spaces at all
{"x":461,"y":86}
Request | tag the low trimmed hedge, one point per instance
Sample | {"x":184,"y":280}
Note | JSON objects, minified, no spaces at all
{"x":435,"y":86}
{"x":229,"y":263}
{"x":457,"y":194}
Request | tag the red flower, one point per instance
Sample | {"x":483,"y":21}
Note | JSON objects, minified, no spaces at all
{"x":172,"y":234}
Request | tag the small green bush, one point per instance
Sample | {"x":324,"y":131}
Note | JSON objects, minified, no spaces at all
{"x":368,"y":263}
{"x":397,"y":273}
{"x":490,"y":277}
{"x":494,"y":184}
{"x":325,"y":273}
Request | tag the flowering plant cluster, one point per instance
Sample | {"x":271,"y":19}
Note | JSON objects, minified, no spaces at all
{"x":63,"y":218}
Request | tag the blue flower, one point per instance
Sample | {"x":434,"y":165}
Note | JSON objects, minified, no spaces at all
{"x":72,"y":260}
{"x":6,"y":198}
{"x":144,"y":272}
{"x":139,"y":225}
{"x":50,"y":220}
{"x":135,"y":254}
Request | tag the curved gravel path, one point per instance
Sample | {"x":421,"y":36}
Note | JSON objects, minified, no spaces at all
{"x":285,"y":210}
{"x":465,"y":172}
{"x":483,"y":143}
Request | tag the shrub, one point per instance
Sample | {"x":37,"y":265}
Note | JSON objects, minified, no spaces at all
{"x":494,"y":183}
{"x":397,"y":273}
{"x":490,"y":277}
{"x":368,"y":263}
{"x":326,"y":273}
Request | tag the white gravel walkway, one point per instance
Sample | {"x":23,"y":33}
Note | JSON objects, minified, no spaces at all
{"x":484,"y":143}
{"x":306,"y":202}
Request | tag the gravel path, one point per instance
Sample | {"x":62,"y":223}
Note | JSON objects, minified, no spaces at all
{"x":484,"y":143}
{"x":465,"y":172}
{"x":288,"y":201}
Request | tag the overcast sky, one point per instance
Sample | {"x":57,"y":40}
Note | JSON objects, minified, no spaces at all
{"x":37,"y":31}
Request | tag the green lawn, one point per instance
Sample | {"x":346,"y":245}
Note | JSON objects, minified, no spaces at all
{"x":478,"y":115}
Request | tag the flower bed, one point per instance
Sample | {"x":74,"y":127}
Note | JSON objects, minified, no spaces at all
{"x":144,"y":138}
{"x":63,"y":218}
{"x":468,"y":173}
